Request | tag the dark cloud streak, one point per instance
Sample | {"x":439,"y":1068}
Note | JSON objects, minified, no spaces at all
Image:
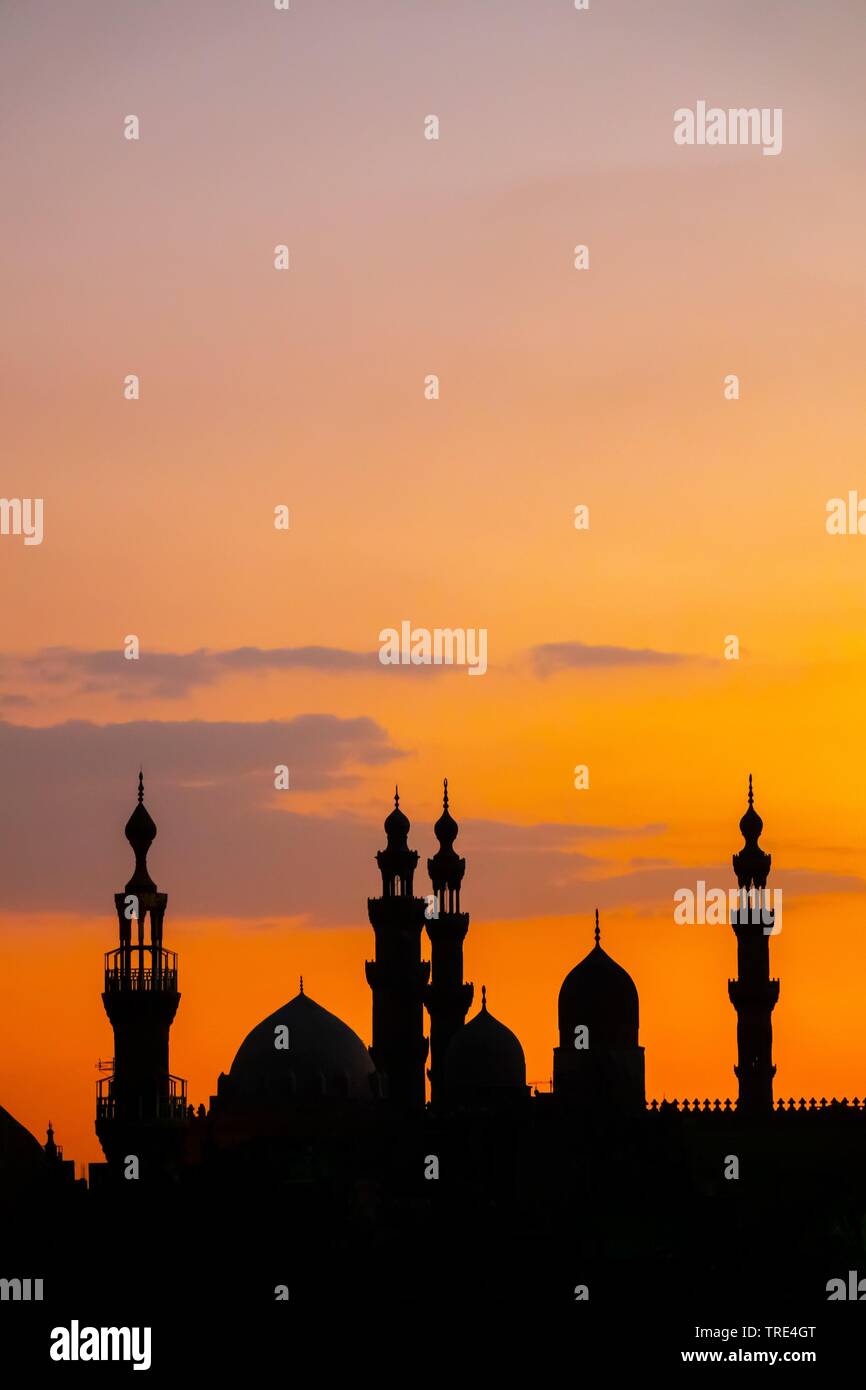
{"x":553,"y":657}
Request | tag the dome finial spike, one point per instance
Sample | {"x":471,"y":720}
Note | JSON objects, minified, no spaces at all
{"x":445,"y":793}
{"x":751,"y":794}
{"x":302,"y":984}
{"x":484,"y":999}
{"x":597,"y":931}
{"x":140,"y":785}
{"x":396,"y":795}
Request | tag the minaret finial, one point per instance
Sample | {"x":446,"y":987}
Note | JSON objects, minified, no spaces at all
{"x":302,"y":984}
{"x":484,"y":999}
{"x":751,"y":864}
{"x":597,"y":931}
{"x":140,"y":785}
{"x":445,"y":794}
{"x":396,"y":795}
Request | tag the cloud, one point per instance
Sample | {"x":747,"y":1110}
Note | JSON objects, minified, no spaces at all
{"x":506,"y":838}
{"x":228,"y":842}
{"x":552,"y":657}
{"x":229,"y":845}
{"x":172,"y":675}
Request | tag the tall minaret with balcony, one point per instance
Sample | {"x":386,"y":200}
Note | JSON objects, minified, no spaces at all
{"x":141,"y":1107}
{"x":397,"y":976}
{"x":447,"y":998}
{"x":753,"y":994}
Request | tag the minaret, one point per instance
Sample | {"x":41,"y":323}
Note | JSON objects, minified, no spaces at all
{"x":141,"y":1107}
{"x":753,"y":994}
{"x":52,"y":1152}
{"x":397,"y":976}
{"x":447,"y":997}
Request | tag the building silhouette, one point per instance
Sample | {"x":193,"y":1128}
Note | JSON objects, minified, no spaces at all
{"x":302,"y":1073}
{"x":317,"y":1152}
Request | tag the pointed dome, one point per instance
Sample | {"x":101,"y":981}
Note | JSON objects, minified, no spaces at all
{"x":751,"y":824}
{"x":446,"y":868}
{"x":601,"y":996}
{"x":397,"y":826}
{"x":446,"y":828}
{"x":485,"y":1059}
{"x":324,"y":1058}
{"x":751,"y":864}
{"x":140,"y":831}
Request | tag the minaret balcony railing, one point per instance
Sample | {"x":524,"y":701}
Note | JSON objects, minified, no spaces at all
{"x":170,"y":1106}
{"x":125,"y":970}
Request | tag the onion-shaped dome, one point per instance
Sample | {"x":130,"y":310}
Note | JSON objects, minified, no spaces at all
{"x":446,"y":828}
{"x":317,"y":1056}
{"x":446,"y":868}
{"x":601,"y":996}
{"x":751,"y":824}
{"x":484,"y":1058}
{"x":140,"y":831}
{"x":397,"y":825}
{"x":751,"y":864}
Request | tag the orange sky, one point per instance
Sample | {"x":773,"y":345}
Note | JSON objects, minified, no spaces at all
{"x":305,"y":388}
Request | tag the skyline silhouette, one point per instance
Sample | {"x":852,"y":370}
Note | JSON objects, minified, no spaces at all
{"x":824,"y":1085}
{"x":313,"y":1149}
{"x":598,"y":998}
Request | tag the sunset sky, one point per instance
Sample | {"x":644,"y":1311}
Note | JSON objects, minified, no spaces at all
{"x":305,"y":388}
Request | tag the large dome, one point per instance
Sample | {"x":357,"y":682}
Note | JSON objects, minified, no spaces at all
{"x":599,"y":994}
{"x":484,"y":1058}
{"x":323,"y":1058}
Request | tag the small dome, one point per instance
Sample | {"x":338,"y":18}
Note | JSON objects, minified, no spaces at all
{"x":324,"y":1057}
{"x":485,"y":1056}
{"x":140,"y":831}
{"x":397,"y":826}
{"x":599,"y":994}
{"x":751,"y":864}
{"x":751,"y":825}
{"x":446,"y":828}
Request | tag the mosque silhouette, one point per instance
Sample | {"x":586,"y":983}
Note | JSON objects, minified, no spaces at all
{"x":318,"y":1152}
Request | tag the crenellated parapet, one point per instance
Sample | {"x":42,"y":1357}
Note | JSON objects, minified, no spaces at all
{"x":706,"y":1109}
